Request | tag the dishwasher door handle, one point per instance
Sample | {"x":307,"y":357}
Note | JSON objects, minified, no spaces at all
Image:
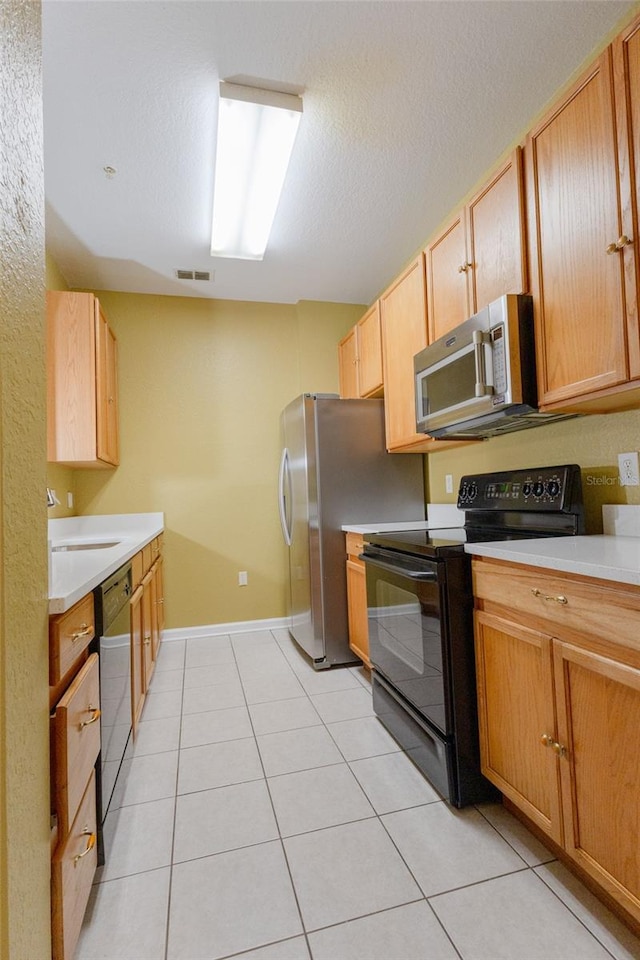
{"x":431,"y":575}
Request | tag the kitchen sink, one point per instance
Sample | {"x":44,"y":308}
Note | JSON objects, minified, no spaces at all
{"x":85,"y":545}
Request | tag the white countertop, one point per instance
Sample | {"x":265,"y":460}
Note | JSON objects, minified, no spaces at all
{"x":438,"y":515}
{"x":74,"y":573}
{"x":604,"y":557}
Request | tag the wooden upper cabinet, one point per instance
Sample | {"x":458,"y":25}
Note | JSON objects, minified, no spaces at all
{"x":82,"y":401}
{"x":369,"y":333}
{"x":577,"y":272}
{"x":626,"y":65}
{"x":360,"y":357}
{"x":447,"y":267}
{"x":404,"y":333}
{"x":106,"y":389}
{"x":496,"y":247}
{"x":481,"y":254}
{"x":348,"y":366}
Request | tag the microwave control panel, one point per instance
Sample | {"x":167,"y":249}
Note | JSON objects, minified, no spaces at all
{"x":499,"y":363}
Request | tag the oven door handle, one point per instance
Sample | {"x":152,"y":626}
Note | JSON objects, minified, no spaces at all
{"x":400,"y":571}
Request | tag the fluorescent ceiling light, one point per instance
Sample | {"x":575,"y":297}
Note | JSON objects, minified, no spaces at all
{"x":256,"y":132}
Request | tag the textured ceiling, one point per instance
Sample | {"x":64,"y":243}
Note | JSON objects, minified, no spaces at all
{"x":406,"y":105}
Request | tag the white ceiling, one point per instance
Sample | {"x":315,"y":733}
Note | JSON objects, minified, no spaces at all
{"x":406,"y":105}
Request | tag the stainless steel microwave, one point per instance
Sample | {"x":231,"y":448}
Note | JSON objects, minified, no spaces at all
{"x":479,"y":380}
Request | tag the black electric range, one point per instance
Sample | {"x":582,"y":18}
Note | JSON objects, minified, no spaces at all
{"x":420,"y":604}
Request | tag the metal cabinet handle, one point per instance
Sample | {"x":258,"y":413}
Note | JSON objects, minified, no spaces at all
{"x":622,"y":242}
{"x":464,"y":267}
{"x":91,"y":842}
{"x":147,"y":639}
{"x":84,"y":631}
{"x":547,"y":741}
{"x":559,"y":599}
{"x":96,"y":713}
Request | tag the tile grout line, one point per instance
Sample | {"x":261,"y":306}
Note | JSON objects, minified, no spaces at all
{"x":175,"y":811}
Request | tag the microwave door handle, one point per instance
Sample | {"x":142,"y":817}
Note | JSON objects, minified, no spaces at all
{"x":478,"y":353}
{"x":400,"y":571}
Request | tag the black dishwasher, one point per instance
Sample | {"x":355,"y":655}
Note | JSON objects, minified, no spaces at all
{"x":113,"y":645}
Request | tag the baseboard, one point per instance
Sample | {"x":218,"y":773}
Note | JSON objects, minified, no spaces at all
{"x":220,"y":629}
{"x":208,"y":630}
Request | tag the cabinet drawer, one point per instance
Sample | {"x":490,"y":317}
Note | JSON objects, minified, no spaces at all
{"x":76,"y":740}
{"x":568,"y":604}
{"x":69,"y":634}
{"x":355,"y":544}
{"x":72,"y":871}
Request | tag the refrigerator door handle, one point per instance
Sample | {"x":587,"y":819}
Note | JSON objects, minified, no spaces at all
{"x":282,"y":495}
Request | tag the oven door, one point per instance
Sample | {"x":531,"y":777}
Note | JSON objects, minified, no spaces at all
{"x":407,"y":629}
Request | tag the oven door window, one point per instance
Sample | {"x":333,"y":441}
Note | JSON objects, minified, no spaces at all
{"x":405,"y":639}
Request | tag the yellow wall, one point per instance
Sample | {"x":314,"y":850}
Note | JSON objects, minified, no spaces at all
{"x":591,"y":441}
{"x":201,"y":386}
{"x":24,"y":703}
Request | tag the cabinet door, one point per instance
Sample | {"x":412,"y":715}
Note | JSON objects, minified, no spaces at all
{"x":357,"y":600}
{"x":626,"y":55}
{"x":137,"y":674}
{"x":516,"y":711}
{"x":369,"y":336}
{"x":348,"y":366}
{"x":148,"y":662}
{"x":496,"y":236}
{"x":71,"y":378}
{"x":404,"y":333}
{"x":159,"y":582}
{"x":599,"y":726}
{"x":106,"y":390}
{"x":447,"y":268}
{"x":574,"y":208}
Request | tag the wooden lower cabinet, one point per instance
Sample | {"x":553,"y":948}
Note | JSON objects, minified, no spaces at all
{"x":515,"y":709}
{"x":72,"y":870}
{"x":598,"y":701}
{"x":559,"y":711}
{"x":146,"y":608}
{"x":74,"y":698}
{"x":357,"y":599}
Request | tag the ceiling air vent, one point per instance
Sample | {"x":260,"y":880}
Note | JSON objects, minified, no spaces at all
{"x":194,"y":275}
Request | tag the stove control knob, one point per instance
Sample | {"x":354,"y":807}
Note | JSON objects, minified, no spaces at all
{"x":526,"y":489}
{"x":538,"y":488}
{"x":473,"y":491}
{"x":553,"y":487}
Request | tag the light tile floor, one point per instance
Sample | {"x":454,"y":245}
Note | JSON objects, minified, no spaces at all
{"x":267,"y":815}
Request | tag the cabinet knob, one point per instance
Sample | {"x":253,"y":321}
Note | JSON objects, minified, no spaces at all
{"x":464,"y":267}
{"x":547,"y":741}
{"x":622,"y":242}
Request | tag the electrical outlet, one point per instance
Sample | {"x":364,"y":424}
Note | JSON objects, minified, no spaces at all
{"x":69,"y":500}
{"x":243,"y":578}
{"x":628,"y":469}
{"x":448,"y":483}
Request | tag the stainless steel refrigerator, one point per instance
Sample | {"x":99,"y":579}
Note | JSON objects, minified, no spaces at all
{"x":334,"y":470}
